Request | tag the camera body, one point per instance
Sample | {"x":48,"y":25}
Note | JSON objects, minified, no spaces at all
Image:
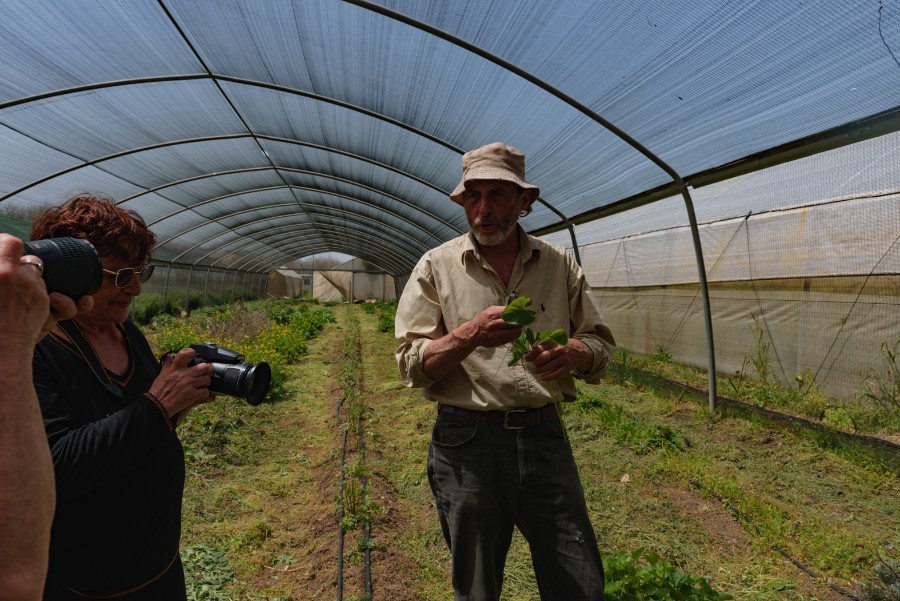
{"x":232,"y":375}
{"x":71,"y":265}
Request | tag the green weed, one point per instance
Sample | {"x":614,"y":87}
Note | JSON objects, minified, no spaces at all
{"x":206,"y":572}
{"x":626,"y":429}
{"x":759,"y":355}
{"x":883,"y":386}
{"x":630,"y":579}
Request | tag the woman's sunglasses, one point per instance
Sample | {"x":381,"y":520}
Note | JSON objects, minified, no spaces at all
{"x":126,"y":274}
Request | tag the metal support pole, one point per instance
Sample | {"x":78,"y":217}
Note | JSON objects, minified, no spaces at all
{"x":206,"y":287}
{"x":676,"y":178}
{"x":166,"y":286}
{"x":704,"y":293}
{"x":187,"y":292}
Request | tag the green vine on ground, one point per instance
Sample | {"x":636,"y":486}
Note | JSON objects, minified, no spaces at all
{"x":517,"y":313}
{"x":653,"y":579}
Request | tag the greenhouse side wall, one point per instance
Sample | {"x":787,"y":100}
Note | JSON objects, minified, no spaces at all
{"x":816,"y":299}
{"x":835,"y":350}
{"x":175,"y":287}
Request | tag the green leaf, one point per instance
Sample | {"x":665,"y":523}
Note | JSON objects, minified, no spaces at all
{"x":519,"y":348}
{"x":558,"y":336}
{"x":517,"y":312}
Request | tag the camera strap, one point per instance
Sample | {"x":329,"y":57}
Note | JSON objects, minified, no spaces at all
{"x":88,"y":353}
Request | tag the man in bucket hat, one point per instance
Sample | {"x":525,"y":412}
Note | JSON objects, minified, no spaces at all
{"x":499,"y":457}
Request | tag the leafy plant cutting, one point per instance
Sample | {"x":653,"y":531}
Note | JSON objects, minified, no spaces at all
{"x":517,"y":313}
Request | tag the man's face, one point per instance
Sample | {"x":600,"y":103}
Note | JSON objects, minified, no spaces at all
{"x":492,"y":208}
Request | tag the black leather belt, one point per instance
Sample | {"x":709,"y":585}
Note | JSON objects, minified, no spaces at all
{"x":511,"y":419}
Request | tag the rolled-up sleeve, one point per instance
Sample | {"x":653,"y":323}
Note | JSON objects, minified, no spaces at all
{"x":589,"y":326}
{"x":419,"y":320}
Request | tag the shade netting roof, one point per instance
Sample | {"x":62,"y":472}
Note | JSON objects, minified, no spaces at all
{"x":249,"y":133}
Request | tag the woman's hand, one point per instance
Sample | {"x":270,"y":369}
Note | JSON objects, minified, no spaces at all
{"x":24,"y":304}
{"x":180,"y":386}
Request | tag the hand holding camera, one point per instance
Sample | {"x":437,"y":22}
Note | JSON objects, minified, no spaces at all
{"x":23,"y":299}
{"x":25,"y":295}
{"x":181,"y":384}
{"x":70,"y":266}
{"x":231,"y":375}
{"x":190,"y":375}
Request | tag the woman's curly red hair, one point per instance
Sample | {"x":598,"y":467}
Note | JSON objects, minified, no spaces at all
{"x":114,"y":231}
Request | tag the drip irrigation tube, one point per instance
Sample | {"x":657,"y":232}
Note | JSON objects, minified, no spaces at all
{"x":350,"y":394}
{"x":887,"y":452}
{"x":340,"y":553}
{"x":694,"y":482}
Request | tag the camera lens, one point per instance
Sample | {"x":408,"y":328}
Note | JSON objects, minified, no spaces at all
{"x":71,"y":265}
{"x":257,"y":383}
{"x":249,"y":381}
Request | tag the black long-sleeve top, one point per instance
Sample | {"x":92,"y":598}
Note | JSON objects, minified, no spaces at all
{"x":119,"y":471}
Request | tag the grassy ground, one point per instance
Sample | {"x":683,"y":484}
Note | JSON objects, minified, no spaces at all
{"x":724,"y":497}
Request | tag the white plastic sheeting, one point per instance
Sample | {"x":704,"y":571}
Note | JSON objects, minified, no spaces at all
{"x":250,"y":133}
{"x":803,"y":263}
{"x":352,"y":281}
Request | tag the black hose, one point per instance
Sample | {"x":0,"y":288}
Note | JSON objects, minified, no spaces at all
{"x":743,"y":516}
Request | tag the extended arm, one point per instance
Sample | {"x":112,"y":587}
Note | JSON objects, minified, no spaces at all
{"x":486,"y":329}
{"x":26,"y":475}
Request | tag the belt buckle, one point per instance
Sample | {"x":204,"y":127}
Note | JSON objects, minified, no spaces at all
{"x":506,"y":419}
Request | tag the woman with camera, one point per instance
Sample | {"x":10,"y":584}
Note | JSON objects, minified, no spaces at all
{"x":110,"y":412}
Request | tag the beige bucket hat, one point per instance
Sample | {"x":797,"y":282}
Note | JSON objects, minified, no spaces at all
{"x":496,"y":161}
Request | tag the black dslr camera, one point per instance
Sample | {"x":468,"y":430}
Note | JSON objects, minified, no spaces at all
{"x":231,"y":375}
{"x":71,"y":265}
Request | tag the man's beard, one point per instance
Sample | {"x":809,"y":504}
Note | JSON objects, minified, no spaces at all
{"x":493,"y":238}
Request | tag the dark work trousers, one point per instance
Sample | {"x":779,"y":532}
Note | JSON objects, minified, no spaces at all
{"x":487,"y":479}
{"x":168,"y":587}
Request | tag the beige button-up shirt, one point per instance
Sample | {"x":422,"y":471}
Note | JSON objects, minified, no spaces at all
{"x":452,"y":283}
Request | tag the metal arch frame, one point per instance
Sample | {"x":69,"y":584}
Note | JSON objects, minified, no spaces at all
{"x":397,"y":199}
{"x":210,"y":222}
{"x":326,"y":149}
{"x":270,"y":218}
{"x":250,"y":135}
{"x":280,"y":237}
{"x":365,"y":4}
{"x":341,"y":231}
{"x":293,"y":187}
{"x":400,"y":124}
{"x":376,"y":264}
{"x":323,"y":249}
{"x":315,"y":248}
{"x":534,"y":80}
{"x":240,"y":237}
{"x":317,"y":213}
{"x":263,"y":240}
{"x":217,"y":78}
{"x":398,"y":260}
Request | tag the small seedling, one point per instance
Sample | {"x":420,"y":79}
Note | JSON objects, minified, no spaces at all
{"x":517,"y":313}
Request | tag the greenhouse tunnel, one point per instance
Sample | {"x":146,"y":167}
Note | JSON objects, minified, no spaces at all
{"x":726,"y":173}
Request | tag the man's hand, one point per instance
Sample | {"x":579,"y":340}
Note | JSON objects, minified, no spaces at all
{"x":552,"y":361}
{"x":487,"y":329}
